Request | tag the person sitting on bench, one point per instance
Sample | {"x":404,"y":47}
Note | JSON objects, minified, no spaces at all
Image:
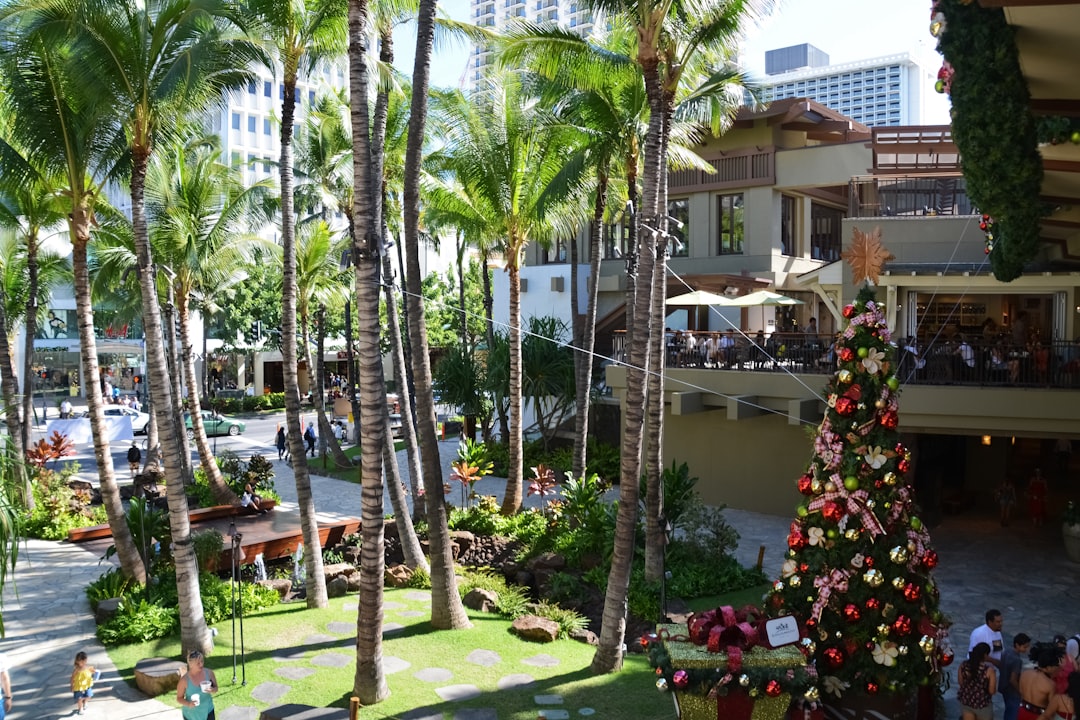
{"x":250,"y":500}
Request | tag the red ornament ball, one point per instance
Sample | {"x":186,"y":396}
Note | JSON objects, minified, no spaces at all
{"x":846,"y":354}
{"x":834,"y":658}
{"x":870,"y":645}
{"x":903,"y":466}
{"x":845,"y":406}
{"x":772,"y":688}
{"x":796,"y":541}
{"x":852,"y":613}
{"x":873,"y":604}
{"x":832,"y":512}
{"x":659,"y":671}
{"x":930,"y":560}
{"x":900,"y":449}
{"x":805,"y":483}
{"x":869,"y":561}
{"x":646,"y":639}
{"x":872,"y":688}
{"x":803,"y":567}
{"x":680,"y":679}
{"x":946,"y":659}
{"x":811,"y":623}
{"x":902,"y":625}
{"x":889,"y":419}
{"x":912,"y":592}
{"x":848,"y":311}
{"x":854,"y":392}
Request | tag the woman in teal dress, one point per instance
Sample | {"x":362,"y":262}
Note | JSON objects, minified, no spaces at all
{"x":195,"y":690}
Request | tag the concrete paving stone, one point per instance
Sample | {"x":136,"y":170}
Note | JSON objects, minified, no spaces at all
{"x":352,"y":606}
{"x":319,"y":639}
{"x":238,"y":712}
{"x":586,"y":711}
{"x":289,"y":654}
{"x":393,"y":664}
{"x":476,"y":714}
{"x":341,"y":628}
{"x":392,"y":628}
{"x":390,"y":605}
{"x":291,"y":672}
{"x":548,"y":699}
{"x":541,"y":660}
{"x":484,"y":658}
{"x":554,"y":714}
{"x":517,"y":680}
{"x":418,"y":596}
{"x":411,"y":613}
{"x":331,"y":659}
{"x":452,"y":693}
{"x":421,"y":714}
{"x":433,"y":675}
{"x":269,"y":692}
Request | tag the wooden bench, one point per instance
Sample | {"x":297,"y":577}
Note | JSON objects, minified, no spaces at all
{"x":97,"y":532}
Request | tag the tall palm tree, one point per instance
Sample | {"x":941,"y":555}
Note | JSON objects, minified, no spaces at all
{"x":63,"y":126}
{"x":447,"y":612}
{"x":505,"y":155}
{"x":302,"y":33}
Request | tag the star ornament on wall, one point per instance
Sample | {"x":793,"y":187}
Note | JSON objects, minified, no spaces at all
{"x":867,"y":256}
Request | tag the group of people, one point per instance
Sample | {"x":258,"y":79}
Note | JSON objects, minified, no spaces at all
{"x":1037,"y":490}
{"x":1046,"y":688}
{"x":282,"y":444}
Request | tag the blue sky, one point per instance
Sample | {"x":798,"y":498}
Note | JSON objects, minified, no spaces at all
{"x":846,"y":30}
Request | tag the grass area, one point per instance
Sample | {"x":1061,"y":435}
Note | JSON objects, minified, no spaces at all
{"x":350,"y":474}
{"x":736,"y":599}
{"x":283,"y":630}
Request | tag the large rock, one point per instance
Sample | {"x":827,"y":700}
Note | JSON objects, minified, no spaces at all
{"x":481,"y":599}
{"x":535,"y":628}
{"x":157,"y":676}
{"x":585,"y":636}
{"x":337,"y":587}
{"x":338,"y":569}
{"x":463,"y":539}
{"x":547,"y":561}
{"x":282,"y":585}
{"x":106,"y":609}
{"x":397,"y":576}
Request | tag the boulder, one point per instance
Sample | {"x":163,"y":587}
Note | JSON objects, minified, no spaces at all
{"x":282,"y":585}
{"x":157,"y":676}
{"x":338,"y":569}
{"x":397,"y":576}
{"x":106,"y":609}
{"x":353,"y":582}
{"x":584,"y":636}
{"x":337,"y":587}
{"x":535,"y":628}
{"x":351,"y":554}
{"x":480,"y":599}
{"x":464,"y":541}
{"x":547,"y":561}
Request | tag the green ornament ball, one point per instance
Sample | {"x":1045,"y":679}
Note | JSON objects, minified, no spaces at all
{"x":802,"y":511}
{"x":863,"y":352}
{"x":1075,"y":137}
{"x":916,"y":524}
{"x":893,"y":383}
{"x":851,"y":483}
{"x":832,"y":533}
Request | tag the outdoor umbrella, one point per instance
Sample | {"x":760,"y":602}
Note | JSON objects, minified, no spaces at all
{"x":699,"y":297}
{"x":763,"y":297}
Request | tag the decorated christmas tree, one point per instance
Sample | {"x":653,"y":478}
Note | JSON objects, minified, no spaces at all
{"x":858,"y":569}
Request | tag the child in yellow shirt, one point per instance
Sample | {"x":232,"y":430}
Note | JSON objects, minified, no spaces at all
{"x":82,"y":682}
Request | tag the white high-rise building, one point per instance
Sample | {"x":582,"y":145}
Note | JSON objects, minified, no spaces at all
{"x":497,"y":13}
{"x":890,"y":90}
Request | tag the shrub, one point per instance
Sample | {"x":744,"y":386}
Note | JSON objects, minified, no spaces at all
{"x":679,"y":492}
{"x":111,"y":584}
{"x":208,"y":545}
{"x":137,"y":622}
{"x":706,"y":530}
{"x":217,"y":597}
{"x":569,"y":620}
{"x":58,"y":508}
{"x":563,"y":586}
{"x":419,"y":579}
{"x":513,"y":600}
{"x":643,"y":597}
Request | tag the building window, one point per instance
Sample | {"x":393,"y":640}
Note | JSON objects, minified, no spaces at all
{"x":266,"y":88}
{"x":251,"y":87}
{"x":236,"y":121}
{"x":731,"y":224}
{"x":266,"y":126}
{"x":825,"y":232}
{"x":616,"y":241}
{"x":311,"y":97}
{"x":557,"y":253}
{"x":679,"y":210}
{"x":235,"y":158}
{"x":251,"y":123}
{"x":788,"y":245}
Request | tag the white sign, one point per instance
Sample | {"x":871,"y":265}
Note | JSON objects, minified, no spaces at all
{"x":782,"y":631}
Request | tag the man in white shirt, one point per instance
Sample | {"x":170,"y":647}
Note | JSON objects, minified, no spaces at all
{"x":989,"y":633}
{"x":727,"y":348}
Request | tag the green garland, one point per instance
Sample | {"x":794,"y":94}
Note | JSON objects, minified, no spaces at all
{"x":994,"y":129}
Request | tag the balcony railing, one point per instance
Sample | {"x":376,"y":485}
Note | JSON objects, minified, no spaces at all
{"x":989,"y":363}
{"x":908,"y":196}
{"x":743,"y":168}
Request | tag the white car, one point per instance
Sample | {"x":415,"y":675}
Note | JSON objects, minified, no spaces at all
{"x":139,"y":419}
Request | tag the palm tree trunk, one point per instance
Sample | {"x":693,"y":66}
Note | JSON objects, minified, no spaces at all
{"x":194,"y":634}
{"x":447,"y":612}
{"x":223,"y":495}
{"x":175,"y":398}
{"x":315,"y":583}
{"x":587,"y":339}
{"x":30,"y":327}
{"x":609,"y":651}
{"x":369,"y":682}
{"x":410,"y":543}
{"x":512,"y":497}
{"x":327,"y":437}
{"x":631,"y":219}
{"x":489,"y":325}
{"x":408,"y":427}
{"x":9,"y":389}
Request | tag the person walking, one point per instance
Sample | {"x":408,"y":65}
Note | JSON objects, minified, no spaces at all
{"x":309,"y":438}
{"x":279,"y":442}
{"x":5,"y":687}
{"x":134,"y":456}
{"x":82,"y":682}
{"x":195,"y":690}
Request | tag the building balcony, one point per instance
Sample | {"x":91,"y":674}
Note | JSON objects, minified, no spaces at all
{"x":908,"y":196}
{"x":737,"y":169}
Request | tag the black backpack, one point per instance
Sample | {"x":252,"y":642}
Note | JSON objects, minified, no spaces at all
{"x":134,"y":455}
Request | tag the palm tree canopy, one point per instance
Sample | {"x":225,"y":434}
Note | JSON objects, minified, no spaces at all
{"x":301,"y":32}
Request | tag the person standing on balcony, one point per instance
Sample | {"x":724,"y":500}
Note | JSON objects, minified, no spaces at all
{"x":965,"y":360}
{"x":811,"y":330}
{"x":727,"y":347}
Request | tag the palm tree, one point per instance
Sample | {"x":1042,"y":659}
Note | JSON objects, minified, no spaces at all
{"x":505,"y":156}
{"x":63,"y":126}
{"x":302,"y":33}
{"x":447,"y":612}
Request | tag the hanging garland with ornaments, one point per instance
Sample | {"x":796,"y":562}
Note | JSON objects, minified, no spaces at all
{"x":992,"y":126}
{"x":858,"y":569}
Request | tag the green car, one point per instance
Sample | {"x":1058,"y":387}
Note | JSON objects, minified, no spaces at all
{"x":215,"y":424}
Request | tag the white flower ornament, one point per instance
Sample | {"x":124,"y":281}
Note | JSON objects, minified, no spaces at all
{"x":885,"y":654}
{"x":835,"y":686}
{"x":875,"y":458}
{"x":872,"y":361}
{"x":817,"y":536}
{"x":789,"y":568}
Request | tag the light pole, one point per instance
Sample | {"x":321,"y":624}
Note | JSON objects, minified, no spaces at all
{"x":237,"y":602}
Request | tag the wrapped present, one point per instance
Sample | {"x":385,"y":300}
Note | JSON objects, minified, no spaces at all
{"x":741,"y":684}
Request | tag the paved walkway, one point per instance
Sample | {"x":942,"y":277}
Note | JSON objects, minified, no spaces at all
{"x":1021,"y":570}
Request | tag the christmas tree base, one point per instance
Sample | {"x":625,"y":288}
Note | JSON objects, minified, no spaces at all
{"x":883,"y":706}
{"x":736,"y":705}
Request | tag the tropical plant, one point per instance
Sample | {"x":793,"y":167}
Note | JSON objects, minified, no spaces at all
{"x":543,"y":484}
{"x":471,"y":466}
{"x":43,"y":451}
{"x":547,"y":380}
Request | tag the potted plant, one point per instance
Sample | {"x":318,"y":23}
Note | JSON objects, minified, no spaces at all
{"x":1070,"y":531}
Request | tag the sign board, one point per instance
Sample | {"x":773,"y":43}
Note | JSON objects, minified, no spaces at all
{"x":782,"y":631}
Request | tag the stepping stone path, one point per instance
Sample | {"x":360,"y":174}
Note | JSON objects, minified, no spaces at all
{"x":290,"y":672}
{"x":354,"y":606}
{"x":288,"y":654}
{"x":585,"y":712}
{"x":483,"y":658}
{"x":393,"y":664}
{"x":269,"y":692}
{"x":452,"y":693}
{"x":319,"y":639}
{"x":392,"y":627}
{"x":541,"y":660}
{"x":389,"y":606}
{"x":476,"y":714}
{"x":512,"y":682}
{"x":421,"y":715}
{"x":548,"y":699}
{"x":341,"y":628}
{"x":418,"y":596}
{"x":411,"y":613}
{"x":434,"y":675}
{"x":331,"y":660}
{"x":238,"y":712}
{"x":554,"y":714}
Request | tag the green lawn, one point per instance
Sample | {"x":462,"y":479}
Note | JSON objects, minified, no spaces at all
{"x":630,"y":693}
{"x":351,"y":474}
{"x":736,"y":599}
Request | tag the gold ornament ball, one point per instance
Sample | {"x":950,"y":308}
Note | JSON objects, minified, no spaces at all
{"x":809,"y":598}
{"x":839,"y":635}
{"x":830,"y":486}
{"x":926,"y":644}
{"x":899,"y":554}
{"x":852,"y":534}
{"x":815,"y":486}
{"x":898,"y":582}
{"x":845,"y":376}
{"x":822,"y":635}
{"x":883,"y":630}
{"x":754,"y":692}
{"x":873,"y":578}
{"x":794,"y":581}
{"x":911,"y":546}
{"x":809,"y":645}
{"x":778,"y":585}
{"x":812,"y":695}
{"x":889,"y":479}
{"x":744,"y":680}
{"x":902,"y":650}
{"x":879,"y":403}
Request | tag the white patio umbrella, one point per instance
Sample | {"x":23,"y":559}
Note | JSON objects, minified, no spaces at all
{"x":698,"y":298}
{"x":763,"y":297}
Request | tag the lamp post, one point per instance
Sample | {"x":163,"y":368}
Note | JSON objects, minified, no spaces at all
{"x":237,"y":602}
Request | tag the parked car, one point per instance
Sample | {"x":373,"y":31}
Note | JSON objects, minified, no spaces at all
{"x":139,"y":420}
{"x":395,"y":425}
{"x":215,"y":424}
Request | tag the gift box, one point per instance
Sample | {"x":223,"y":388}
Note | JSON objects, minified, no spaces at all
{"x":710,"y":685}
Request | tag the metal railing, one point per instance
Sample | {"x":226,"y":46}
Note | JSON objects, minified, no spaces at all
{"x":908,"y":196}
